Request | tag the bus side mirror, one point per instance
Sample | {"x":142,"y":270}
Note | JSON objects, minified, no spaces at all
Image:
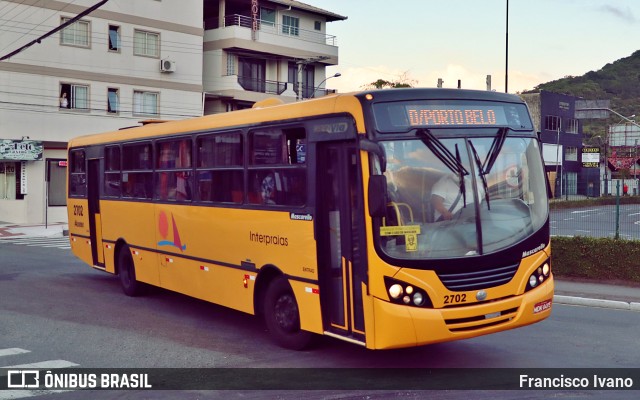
{"x":377,"y":194}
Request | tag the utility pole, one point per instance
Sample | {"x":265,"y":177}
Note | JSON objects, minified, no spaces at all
{"x":302,"y":64}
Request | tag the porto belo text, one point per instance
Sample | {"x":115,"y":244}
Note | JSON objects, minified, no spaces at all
{"x":562,"y":381}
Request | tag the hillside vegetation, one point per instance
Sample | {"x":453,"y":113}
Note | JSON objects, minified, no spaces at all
{"x":618,"y":81}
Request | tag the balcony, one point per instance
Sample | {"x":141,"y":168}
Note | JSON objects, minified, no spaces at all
{"x":284,"y":40}
{"x":262,"y":85}
{"x":276,"y":29}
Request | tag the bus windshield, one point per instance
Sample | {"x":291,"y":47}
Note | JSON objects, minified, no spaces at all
{"x":438,"y":211}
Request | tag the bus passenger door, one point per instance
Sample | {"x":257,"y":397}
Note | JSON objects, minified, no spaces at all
{"x":95,"y":222}
{"x":341,"y":264}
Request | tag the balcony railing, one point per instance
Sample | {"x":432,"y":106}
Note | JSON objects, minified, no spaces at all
{"x":276,"y":29}
{"x":311,"y":91}
{"x":262,"y":85}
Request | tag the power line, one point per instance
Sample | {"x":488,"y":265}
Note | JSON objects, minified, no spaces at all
{"x":54,"y":30}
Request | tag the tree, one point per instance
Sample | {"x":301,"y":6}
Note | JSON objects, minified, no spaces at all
{"x":403,"y":81}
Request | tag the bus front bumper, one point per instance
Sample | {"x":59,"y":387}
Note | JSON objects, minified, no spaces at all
{"x":399,"y":326}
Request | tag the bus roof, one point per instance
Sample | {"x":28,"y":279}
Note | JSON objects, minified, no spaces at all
{"x":331,"y":104}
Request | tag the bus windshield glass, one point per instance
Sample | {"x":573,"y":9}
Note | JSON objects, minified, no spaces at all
{"x":436,"y":211}
{"x":393,"y":117}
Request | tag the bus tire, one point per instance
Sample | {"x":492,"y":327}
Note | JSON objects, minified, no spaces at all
{"x":282,"y":316}
{"x":127,"y":273}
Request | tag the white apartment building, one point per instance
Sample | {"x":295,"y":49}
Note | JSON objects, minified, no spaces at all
{"x":129,"y":61}
{"x":256,"y":49}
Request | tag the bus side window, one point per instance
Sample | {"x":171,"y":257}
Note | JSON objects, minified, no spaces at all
{"x":284,"y":152}
{"x":220,"y":164}
{"x":174,"y":177}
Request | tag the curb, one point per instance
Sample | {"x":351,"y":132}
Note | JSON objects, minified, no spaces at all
{"x":586,"y":302}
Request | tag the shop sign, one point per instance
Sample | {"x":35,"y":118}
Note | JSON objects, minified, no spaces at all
{"x":21,"y":150}
{"x":590,"y":157}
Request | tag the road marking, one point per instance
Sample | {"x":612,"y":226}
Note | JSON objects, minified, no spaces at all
{"x":13,"y":351}
{"x":20,"y":394}
{"x":582,"y":211}
{"x":45,"y":364}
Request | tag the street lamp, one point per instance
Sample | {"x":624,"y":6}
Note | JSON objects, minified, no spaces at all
{"x":336,"y":75}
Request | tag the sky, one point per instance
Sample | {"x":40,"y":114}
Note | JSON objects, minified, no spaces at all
{"x":423,"y":40}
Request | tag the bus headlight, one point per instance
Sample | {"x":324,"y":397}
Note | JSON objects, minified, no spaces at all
{"x":539,"y":275}
{"x":395,"y":291}
{"x":418,"y":299}
{"x":403,"y":293}
{"x":546,"y":269}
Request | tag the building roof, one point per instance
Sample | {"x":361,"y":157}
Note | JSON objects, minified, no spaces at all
{"x":306,"y":7}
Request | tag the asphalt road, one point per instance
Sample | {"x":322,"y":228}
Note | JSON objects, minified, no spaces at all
{"x":56,"y":308}
{"x":597,"y":221}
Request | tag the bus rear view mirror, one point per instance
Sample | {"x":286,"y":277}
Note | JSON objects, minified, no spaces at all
{"x":377,"y":194}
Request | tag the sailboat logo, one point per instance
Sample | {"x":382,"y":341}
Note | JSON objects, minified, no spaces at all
{"x":163,"y":228}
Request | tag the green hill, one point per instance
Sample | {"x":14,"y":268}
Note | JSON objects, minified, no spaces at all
{"x":618,"y":81}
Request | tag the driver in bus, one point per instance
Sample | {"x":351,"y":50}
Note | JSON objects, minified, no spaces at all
{"x":447,"y":198}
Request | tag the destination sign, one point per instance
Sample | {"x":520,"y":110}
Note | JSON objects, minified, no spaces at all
{"x":406,"y":115}
{"x":455,"y":115}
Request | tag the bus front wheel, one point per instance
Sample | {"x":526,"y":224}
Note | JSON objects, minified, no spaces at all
{"x":282,"y":316}
{"x":127,"y":273}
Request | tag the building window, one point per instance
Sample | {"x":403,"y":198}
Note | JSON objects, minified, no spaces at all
{"x":572,"y":183}
{"x":571,"y":125}
{"x":252,"y":74}
{"x":113,"y":100}
{"x":267,"y":16}
{"x":57,"y":182}
{"x":145,"y":103}
{"x":76,"y":34}
{"x":308,"y":79}
{"x":317,"y":25}
{"x":146,"y":43}
{"x":74,"y":96}
{"x":290,"y":25}
{"x":9,"y":180}
{"x":114,"y":38}
{"x":571,"y":154}
{"x":552,"y":123}
{"x":231,"y":64}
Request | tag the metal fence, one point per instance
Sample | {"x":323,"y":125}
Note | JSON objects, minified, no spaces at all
{"x":613,"y":216}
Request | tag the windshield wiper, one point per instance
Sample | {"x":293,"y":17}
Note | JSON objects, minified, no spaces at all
{"x":482,"y":173}
{"x":449,"y":160}
{"x":494,"y":150}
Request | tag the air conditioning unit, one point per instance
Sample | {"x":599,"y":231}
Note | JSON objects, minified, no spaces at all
{"x":167,"y":66}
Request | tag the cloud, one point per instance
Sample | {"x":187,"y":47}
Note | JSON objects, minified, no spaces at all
{"x":355,"y":79}
{"x":625,"y":15}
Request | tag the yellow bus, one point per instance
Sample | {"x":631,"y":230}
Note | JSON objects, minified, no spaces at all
{"x":388,"y":218}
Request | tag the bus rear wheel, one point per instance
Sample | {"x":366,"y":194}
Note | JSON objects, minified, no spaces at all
{"x":127,"y":273}
{"x":282,"y":316}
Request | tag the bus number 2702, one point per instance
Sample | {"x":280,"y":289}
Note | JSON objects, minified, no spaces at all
{"x":77,"y":210}
{"x":453,"y":299}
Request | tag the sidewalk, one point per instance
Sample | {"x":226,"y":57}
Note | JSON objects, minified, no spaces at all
{"x":571,"y":292}
{"x":54,"y":229}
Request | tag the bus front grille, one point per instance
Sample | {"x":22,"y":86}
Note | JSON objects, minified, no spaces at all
{"x":484,"y":279}
{"x":481,"y":321}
